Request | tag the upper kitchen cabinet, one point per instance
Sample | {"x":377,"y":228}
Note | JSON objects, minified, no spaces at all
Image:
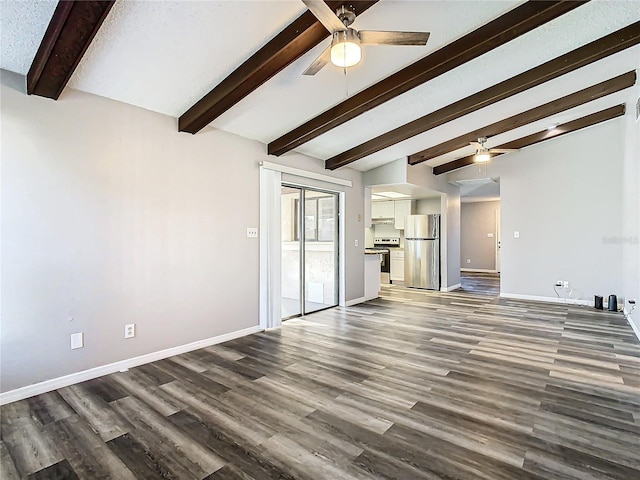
{"x":382,"y":210}
{"x":402,"y":209}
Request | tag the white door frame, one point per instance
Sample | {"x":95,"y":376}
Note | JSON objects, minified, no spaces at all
{"x":497,"y":245}
{"x":266,"y":259}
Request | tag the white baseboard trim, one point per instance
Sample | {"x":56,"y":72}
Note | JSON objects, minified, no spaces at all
{"x":478,"y":270}
{"x":636,"y":330}
{"x":451,"y":288}
{"x":537,"y":298}
{"x":73,"y":378}
{"x":355,"y":301}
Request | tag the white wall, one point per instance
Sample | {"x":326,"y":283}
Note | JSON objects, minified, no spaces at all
{"x":564,"y":197}
{"x":110,"y":216}
{"x":631,"y":206}
{"x":428,"y":206}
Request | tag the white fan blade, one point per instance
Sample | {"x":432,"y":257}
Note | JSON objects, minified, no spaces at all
{"x":319,"y":62}
{"x":502,"y":150}
{"x":371,"y":37}
{"x":326,"y":16}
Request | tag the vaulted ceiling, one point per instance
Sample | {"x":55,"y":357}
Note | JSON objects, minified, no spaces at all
{"x":501,"y":69}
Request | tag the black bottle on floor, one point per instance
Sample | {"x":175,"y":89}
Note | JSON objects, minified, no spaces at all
{"x":613,"y":303}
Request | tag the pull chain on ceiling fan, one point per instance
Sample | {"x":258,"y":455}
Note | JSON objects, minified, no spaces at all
{"x":345,"y":50}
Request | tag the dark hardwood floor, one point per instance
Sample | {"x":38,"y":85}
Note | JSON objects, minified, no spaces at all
{"x":413,"y":385}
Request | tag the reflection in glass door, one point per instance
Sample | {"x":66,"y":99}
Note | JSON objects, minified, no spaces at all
{"x":309,"y":250}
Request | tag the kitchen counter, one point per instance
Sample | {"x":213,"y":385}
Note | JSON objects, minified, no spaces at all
{"x":375,"y":251}
{"x":371,"y":275}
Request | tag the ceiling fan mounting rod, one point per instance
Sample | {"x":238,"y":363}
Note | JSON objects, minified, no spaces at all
{"x":347,"y":17}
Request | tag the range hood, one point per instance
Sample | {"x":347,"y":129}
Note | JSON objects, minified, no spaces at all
{"x":382,"y":221}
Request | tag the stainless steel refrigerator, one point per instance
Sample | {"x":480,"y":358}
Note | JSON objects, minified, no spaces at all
{"x":422,"y":252}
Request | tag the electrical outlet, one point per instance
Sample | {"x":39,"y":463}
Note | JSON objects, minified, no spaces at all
{"x":516,"y":234}
{"x":566,"y":284}
{"x":130,"y":330}
{"x":77,"y":340}
{"x":356,"y":243}
{"x":468,"y":260}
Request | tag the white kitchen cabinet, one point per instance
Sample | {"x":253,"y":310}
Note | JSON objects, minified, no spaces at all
{"x":382,"y":209}
{"x":397,"y":266}
{"x":402,"y":209}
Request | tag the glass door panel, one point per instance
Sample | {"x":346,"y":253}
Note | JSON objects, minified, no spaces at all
{"x":309,"y":250}
{"x":291,"y":266}
{"x":320,"y":250}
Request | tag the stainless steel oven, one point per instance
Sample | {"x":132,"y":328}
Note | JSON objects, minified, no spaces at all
{"x":383,"y":245}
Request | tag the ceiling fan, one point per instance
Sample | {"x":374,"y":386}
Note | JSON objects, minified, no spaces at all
{"x":345,"y":50}
{"x":483,"y":154}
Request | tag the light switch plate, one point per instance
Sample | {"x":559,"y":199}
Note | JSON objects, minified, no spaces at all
{"x":516,"y":234}
{"x":252,"y":232}
{"x":77,"y":340}
{"x":490,"y":235}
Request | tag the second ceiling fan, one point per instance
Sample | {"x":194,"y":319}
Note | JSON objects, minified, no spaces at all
{"x":483,"y":154}
{"x":345,"y":50}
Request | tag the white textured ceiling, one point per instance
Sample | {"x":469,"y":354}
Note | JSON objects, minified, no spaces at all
{"x":22,"y":26}
{"x":165,"y":55}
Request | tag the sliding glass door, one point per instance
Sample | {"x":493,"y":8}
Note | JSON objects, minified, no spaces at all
{"x":309,"y":250}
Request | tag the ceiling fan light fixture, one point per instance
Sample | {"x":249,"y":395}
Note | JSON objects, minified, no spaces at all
{"x":345,"y":48}
{"x":482,"y":157}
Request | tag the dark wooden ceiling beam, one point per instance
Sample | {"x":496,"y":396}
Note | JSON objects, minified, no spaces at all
{"x":592,"y":52}
{"x":285,"y":48}
{"x":505,"y":28}
{"x":69,"y":34}
{"x":583,"y":122}
{"x":554,"y":107}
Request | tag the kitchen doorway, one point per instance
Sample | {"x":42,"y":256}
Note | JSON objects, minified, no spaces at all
{"x":309,"y":222}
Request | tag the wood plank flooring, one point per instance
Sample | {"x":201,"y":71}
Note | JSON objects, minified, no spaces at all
{"x":480,"y":282}
{"x":413,"y":385}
